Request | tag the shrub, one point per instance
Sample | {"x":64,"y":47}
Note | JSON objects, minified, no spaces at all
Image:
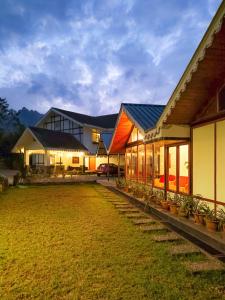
{"x":3,"y":183}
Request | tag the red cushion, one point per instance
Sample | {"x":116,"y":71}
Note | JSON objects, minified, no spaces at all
{"x":171,"y":178}
{"x":183,"y":180}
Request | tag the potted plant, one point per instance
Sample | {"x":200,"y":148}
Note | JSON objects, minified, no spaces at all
{"x":200,"y":210}
{"x":211,"y":220}
{"x":175,"y":204}
{"x":186,"y":206}
{"x":221,"y":218}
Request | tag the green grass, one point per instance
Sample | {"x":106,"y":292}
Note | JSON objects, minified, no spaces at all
{"x":68,"y":242}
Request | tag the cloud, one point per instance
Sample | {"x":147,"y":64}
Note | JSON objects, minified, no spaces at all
{"x":89,"y":56}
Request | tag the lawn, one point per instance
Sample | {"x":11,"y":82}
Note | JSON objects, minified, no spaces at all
{"x":68,"y":242}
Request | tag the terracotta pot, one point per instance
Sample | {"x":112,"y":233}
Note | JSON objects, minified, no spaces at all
{"x":196,"y":218}
{"x":201,"y":219}
{"x":125,"y":189}
{"x":182,"y":213}
{"x":165,"y":205}
{"x":212,"y":225}
{"x":174,"y":209}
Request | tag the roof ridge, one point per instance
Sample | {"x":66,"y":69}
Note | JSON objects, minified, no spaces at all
{"x":147,"y":104}
{"x":70,"y":111}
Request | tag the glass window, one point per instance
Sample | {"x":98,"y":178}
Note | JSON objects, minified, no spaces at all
{"x":134,"y":163}
{"x":159,"y":177}
{"x":141,"y":163}
{"x":128,"y":163}
{"x":184,"y":169}
{"x":149,"y":163}
{"x":37,"y":159}
{"x":95,"y":136}
{"x":133,"y":136}
{"x":172,"y":169}
{"x":140,"y":136}
{"x":75,"y":160}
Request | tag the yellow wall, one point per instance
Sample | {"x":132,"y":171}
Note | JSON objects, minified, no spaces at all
{"x":220,"y":154}
{"x":203,"y":161}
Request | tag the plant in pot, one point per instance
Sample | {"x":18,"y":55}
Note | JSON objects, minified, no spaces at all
{"x":221,"y":218}
{"x":175,"y":204}
{"x":187,"y":205}
{"x":200,"y":210}
{"x":165,"y":203}
{"x":159,"y":196}
{"x":211,"y":220}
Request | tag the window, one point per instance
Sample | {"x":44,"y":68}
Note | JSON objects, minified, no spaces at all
{"x":149,"y":163}
{"x":172,"y":169}
{"x":75,"y":160}
{"x":95,"y":136}
{"x":128,"y":162}
{"x":178,"y":169}
{"x":37,"y":159}
{"x":134,"y":163}
{"x":141,"y":163}
{"x":221,"y":100}
{"x":159,"y":177}
{"x":184,"y":169}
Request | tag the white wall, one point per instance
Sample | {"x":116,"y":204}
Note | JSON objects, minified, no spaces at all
{"x":220,"y":161}
{"x":203,"y":161}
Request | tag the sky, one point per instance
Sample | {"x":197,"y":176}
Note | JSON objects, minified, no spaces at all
{"x":89,"y":56}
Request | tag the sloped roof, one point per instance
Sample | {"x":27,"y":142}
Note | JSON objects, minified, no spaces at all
{"x":57,"y":140}
{"x":105,"y":121}
{"x":106,"y":138}
{"x":146,"y":115}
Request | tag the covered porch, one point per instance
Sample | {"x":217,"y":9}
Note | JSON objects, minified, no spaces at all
{"x":52,"y":153}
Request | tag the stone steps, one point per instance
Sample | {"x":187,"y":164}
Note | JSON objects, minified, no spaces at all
{"x":184,"y":249}
{"x":169,"y":237}
{"x":153,"y":227}
{"x":137,"y":215}
{"x":128,"y":210}
{"x":204,"y":266}
{"x":144,"y":221}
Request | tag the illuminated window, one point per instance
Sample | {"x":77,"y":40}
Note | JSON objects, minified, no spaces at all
{"x":128,"y":162}
{"x":134,"y":163}
{"x":149,"y":163}
{"x":95,"y":136}
{"x":159,"y":177}
{"x":184,"y":169}
{"x":141,"y":163}
{"x":37,"y":159}
{"x":75,"y":160}
{"x":172,"y":169}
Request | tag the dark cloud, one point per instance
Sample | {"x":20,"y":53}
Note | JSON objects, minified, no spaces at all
{"x":92,"y":55}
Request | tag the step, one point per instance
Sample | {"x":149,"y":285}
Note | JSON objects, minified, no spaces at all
{"x":169,"y":237}
{"x":123,"y":206}
{"x":135,"y":215}
{"x":204,"y":266}
{"x":128,"y":210}
{"x":184,"y":249}
{"x":144,"y":221}
{"x":153,"y":227}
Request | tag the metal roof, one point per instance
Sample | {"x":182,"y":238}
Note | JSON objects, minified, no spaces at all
{"x":146,"y":115}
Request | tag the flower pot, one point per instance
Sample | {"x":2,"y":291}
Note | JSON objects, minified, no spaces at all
{"x":201,"y":219}
{"x":196,"y":218}
{"x":125,"y":189}
{"x":164,"y":204}
{"x":212,"y":225}
{"x":174,"y":209}
{"x":182,"y":213}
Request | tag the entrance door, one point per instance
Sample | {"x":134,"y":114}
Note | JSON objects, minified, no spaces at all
{"x":92,"y":163}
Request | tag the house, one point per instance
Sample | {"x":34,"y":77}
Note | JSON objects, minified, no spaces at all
{"x":184,"y":151}
{"x":68,"y":139}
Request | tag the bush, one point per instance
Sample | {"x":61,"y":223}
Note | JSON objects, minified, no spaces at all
{"x":3,"y":183}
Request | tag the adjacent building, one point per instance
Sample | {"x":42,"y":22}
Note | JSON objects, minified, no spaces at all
{"x":68,"y":139}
